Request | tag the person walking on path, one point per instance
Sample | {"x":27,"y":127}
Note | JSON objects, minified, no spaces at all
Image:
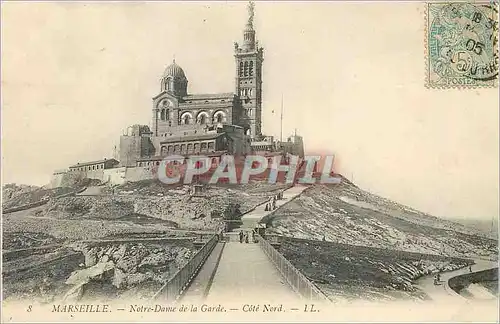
{"x":246,"y":238}
{"x":241,"y":236}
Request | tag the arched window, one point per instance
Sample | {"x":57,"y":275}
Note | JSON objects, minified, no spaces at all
{"x":167,"y":114}
{"x":203,"y":119}
{"x":218,"y":118}
{"x":190,"y":147}
{"x":250,"y":92}
{"x":196,"y":147}
{"x":241,"y":69}
{"x":176,"y":148}
{"x":203,"y":146}
{"x":186,"y":119}
{"x":162,"y":114}
{"x":163,"y":150}
{"x":183,"y":147}
{"x":245,"y":69}
{"x":250,"y":69}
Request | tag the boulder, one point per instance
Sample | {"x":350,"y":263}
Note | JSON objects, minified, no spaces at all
{"x":75,"y":293}
{"x":85,"y":275}
{"x":120,"y":252}
{"x":90,"y":257}
{"x":119,"y":278}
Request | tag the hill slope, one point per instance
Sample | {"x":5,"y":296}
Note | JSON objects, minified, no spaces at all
{"x":354,"y":244}
{"x":346,"y":214}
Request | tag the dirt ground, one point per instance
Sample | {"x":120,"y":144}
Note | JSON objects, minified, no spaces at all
{"x":43,"y":249}
{"x":137,"y":268}
{"x":352,"y":272}
{"x":346,"y":214}
{"x":372,"y":248}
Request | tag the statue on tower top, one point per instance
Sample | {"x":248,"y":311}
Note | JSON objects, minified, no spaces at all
{"x":251,"y":8}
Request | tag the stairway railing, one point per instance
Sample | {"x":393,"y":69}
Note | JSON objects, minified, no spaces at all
{"x":176,"y":286}
{"x":299,"y":283}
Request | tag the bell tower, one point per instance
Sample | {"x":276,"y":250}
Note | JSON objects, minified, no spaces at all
{"x":249,"y":58}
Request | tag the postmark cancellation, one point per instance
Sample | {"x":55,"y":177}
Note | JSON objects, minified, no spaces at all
{"x":461,"y":45}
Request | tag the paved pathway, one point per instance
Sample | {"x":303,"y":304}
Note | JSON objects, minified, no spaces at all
{"x":441,"y":292}
{"x":91,"y":191}
{"x":252,"y":218}
{"x":199,"y":287}
{"x":245,"y":275}
{"x":454,"y":306}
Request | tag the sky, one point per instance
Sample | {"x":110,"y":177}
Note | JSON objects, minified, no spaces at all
{"x":75,"y":75}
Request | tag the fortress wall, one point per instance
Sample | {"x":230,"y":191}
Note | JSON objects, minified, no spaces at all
{"x":70,"y":178}
{"x":130,"y":149}
{"x":111,"y":176}
{"x":96,"y":174}
{"x":463,"y":281}
{"x":140,"y":173}
{"x":56,"y":180}
{"x":115,"y":175}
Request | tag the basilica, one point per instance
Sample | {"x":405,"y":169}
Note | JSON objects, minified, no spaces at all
{"x":212,"y":124}
{"x":203,"y":124}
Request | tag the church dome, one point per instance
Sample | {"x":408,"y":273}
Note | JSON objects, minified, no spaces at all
{"x":174,"y":71}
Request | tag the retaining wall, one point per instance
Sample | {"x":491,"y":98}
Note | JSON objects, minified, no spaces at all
{"x":460,"y":282}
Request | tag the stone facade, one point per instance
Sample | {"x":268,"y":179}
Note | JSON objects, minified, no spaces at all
{"x":94,"y":165}
{"x":209,"y":124}
{"x":249,"y":59}
{"x":184,"y":123}
{"x":136,"y":142}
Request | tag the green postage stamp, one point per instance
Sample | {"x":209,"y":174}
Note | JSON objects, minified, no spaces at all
{"x":462,"y":45}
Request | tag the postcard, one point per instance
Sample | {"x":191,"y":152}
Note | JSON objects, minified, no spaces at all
{"x":263,"y":161}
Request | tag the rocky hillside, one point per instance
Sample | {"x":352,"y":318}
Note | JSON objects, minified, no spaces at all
{"x":346,"y":272}
{"x":346,"y":214}
{"x":151,"y":200}
{"x":17,"y":195}
{"x":87,"y":271}
{"x":14,"y":195}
